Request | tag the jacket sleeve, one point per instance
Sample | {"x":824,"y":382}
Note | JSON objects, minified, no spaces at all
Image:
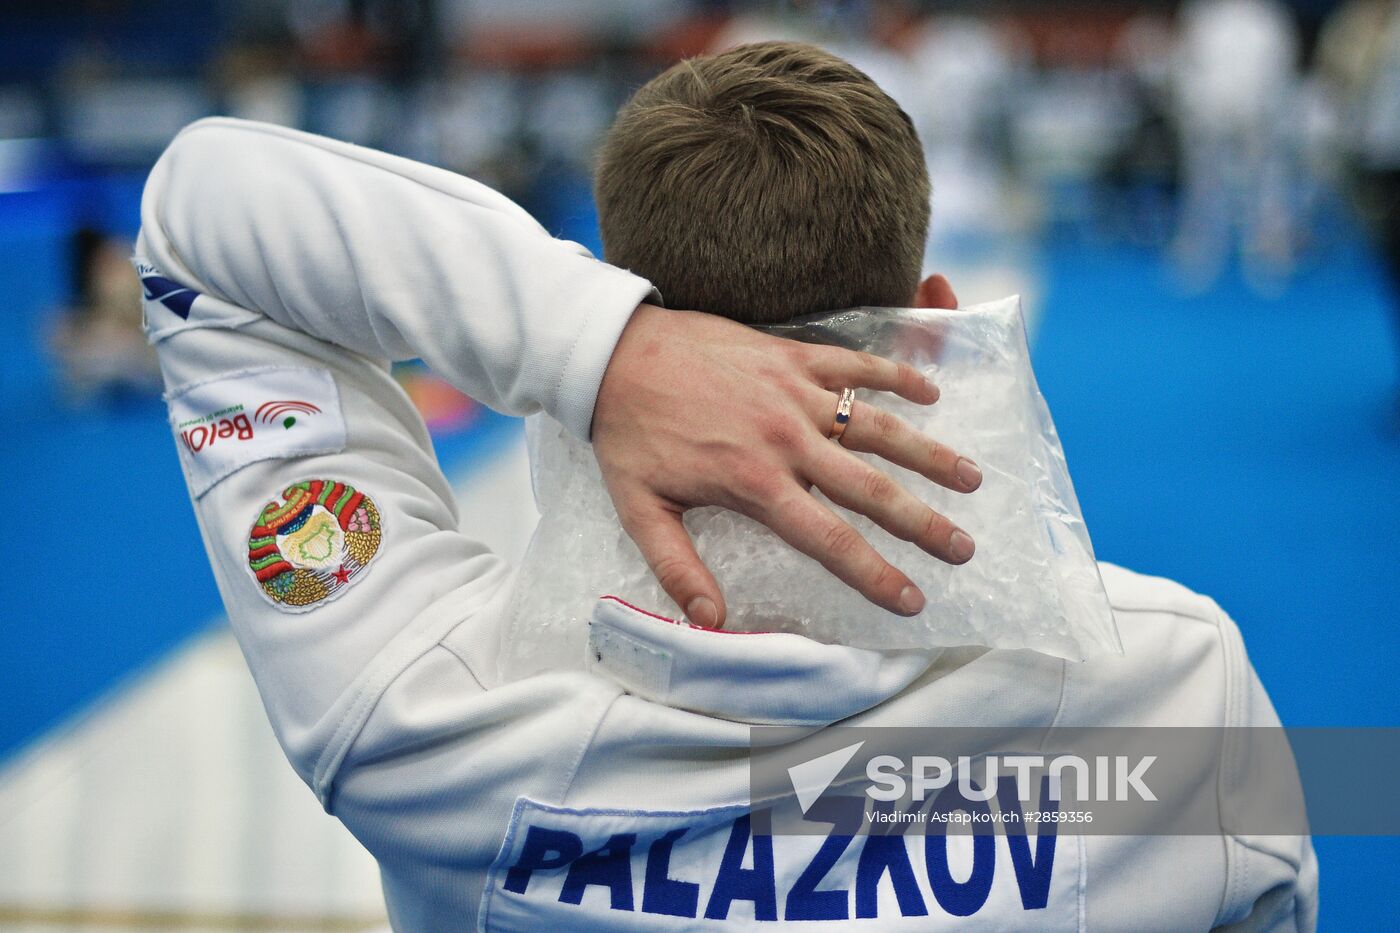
{"x":1272,"y":880}
{"x":282,"y":272}
{"x":389,"y":258}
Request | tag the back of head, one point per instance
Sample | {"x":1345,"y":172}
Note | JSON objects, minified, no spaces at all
{"x":765,"y":182}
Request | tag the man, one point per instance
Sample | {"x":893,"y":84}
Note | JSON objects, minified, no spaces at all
{"x":282,"y":268}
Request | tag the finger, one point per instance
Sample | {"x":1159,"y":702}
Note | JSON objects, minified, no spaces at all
{"x":853,"y":484}
{"x":837,"y":369}
{"x":873,"y":430}
{"x":671,"y":555}
{"x":816,"y":531}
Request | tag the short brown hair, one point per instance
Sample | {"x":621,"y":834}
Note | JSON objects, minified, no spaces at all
{"x":765,"y":182}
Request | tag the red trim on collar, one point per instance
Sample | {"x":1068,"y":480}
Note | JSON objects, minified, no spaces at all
{"x":690,"y":625}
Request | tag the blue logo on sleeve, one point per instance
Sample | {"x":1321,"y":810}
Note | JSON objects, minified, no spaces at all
{"x":173,"y":295}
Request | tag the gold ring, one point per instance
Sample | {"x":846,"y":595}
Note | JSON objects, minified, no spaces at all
{"x":843,"y":414}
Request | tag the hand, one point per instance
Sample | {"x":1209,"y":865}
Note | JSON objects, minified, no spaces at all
{"x":697,"y":410}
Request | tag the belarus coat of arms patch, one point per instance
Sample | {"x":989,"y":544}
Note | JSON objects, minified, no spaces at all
{"x":307,"y":547}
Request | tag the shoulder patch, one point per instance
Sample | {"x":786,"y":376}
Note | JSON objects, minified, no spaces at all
{"x":223,"y":424}
{"x":313,"y":541}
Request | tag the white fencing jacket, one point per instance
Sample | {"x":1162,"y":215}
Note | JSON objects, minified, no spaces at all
{"x":282,"y":273}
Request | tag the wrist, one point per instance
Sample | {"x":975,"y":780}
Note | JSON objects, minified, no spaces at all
{"x":589,"y":323}
{"x":636,"y":342}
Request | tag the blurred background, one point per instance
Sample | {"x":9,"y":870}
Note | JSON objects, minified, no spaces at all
{"x":1200,"y":202}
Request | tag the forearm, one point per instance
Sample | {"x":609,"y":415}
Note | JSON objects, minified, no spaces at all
{"x":389,"y":258}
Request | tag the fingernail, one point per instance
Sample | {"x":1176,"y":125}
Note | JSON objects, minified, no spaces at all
{"x":701,"y":611}
{"x":911,"y":600}
{"x":969,"y":473}
{"x":931,"y":388}
{"x":961,"y":546}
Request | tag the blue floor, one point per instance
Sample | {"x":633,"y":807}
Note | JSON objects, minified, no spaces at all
{"x":1245,"y":448}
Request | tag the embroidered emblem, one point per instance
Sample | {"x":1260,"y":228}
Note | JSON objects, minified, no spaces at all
{"x":309,"y":546}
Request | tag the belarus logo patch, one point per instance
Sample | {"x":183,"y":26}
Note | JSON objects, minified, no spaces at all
{"x":307,"y":546}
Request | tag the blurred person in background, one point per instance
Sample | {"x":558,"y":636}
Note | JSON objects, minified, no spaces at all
{"x":101,"y":352}
{"x":964,"y":72}
{"x":1235,"y":79}
{"x":767,"y":182}
{"x":1142,"y":175}
{"x":1360,"y":56}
